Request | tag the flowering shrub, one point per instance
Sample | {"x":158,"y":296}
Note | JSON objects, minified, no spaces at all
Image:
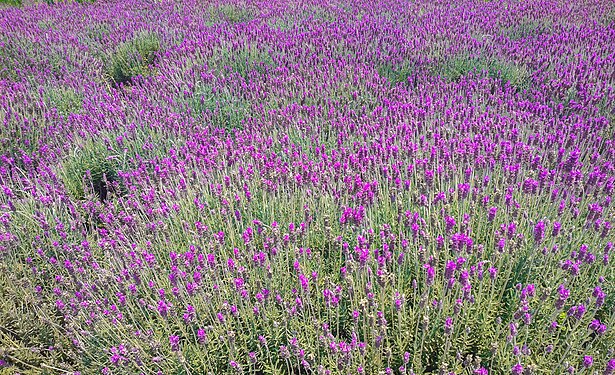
{"x":307,"y":187}
{"x":133,"y":57}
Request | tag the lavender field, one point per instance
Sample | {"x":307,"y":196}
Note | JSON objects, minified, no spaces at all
{"x":307,"y":187}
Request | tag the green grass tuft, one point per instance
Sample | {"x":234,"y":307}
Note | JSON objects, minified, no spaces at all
{"x":507,"y":72}
{"x":133,"y":58}
{"x":224,"y":108}
{"x":91,"y":168}
{"x":527,"y":29}
{"x":397,"y":74}
{"x":64,"y":99}
{"x":233,"y":13}
{"x":15,"y":3}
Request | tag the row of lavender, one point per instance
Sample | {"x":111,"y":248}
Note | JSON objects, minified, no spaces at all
{"x":307,"y":187}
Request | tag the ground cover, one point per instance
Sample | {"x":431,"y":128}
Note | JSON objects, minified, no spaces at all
{"x":307,"y":187}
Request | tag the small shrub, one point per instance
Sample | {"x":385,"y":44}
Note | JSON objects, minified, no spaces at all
{"x":246,"y":60}
{"x":9,"y":61}
{"x":281,"y":24}
{"x":96,"y":34}
{"x":397,"y":74}
{"x":233,"y":13}
{"x":608,"y":18}
{"x":527,"y":29}
{"x":225,"y":109}
{"x":133,"y":58}
{"x":93,"y":168}
{"x":53,"y":2}
{"x":507,"y":72}
{"x":28,"y":327}
{"x":64,"y":99}
{"x":15,"y":3}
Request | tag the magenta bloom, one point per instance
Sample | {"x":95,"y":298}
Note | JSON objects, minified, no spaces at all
{"x":174,"y":341}
{"x":588,"y":361}
{"x":517,"y":369}
{"x":448,"y":326}
{"x":430,"y":273}
{"x":539,"y":232}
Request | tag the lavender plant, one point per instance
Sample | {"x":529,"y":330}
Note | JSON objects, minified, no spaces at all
{"x":307,"y":187}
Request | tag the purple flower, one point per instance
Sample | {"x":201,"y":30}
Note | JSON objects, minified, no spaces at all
{"x":448,"y":326}
{"x":398,"y":302}
{"x":492,"y":212}
{"x":406,"y":357}
{"x":588,"y":361}
{"x":600,"y":296}
{"x":163,"y":308}
{"x":539,"y":232}
{"x":597,"y":327}
{"x":449,"y":271}
{"x":563,"y":296}
{"x":610,"y":367}
{"x":430,"y":273}
{"x":201,"y":336}
{"x":174,"y":341}
{"x":492,"y":272}
{"x":577,"y":311}
{"x":557,"y":226}
{"x":234,"y":365}
{"x":517,"y":369}
{"x":513,"y":329}
{"x":284,"y":352}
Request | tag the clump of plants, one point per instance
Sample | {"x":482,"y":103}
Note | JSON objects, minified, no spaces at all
{"x":397,"y":73}
{"x":233,"y":13}
{"x":133,"y":58}
{"x":526,"y":29}
{"x":91,"y":169}
{"x":505,"y":71}
{"x":10,"y":2}
{"x":64,"y":99}
{"x":222,"y":107}
{"x":246,"y":60}
{"x":34,"y":341}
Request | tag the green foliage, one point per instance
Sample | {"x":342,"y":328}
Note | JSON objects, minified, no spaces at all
{"x":10,"y":2}
{"x":526,"y":29}
{"x":280,"y":23}
{"x":245,"y":60}
{"x":233,"y":13}
{"x":397,"y":73}
{"x":64,"y":99}
{"x":133,"y":58}
{"x":496,"y":68}
{"x":31,"y":339}
{"x":608,"y":18}
{"x":53,"y":2}
{"x":9,"y":57}
{"x":223,"y":108}
{"x":91,"y":168}
{"x":95,"y":35}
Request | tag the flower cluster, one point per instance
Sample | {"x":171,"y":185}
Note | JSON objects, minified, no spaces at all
{"x":290,"y":187}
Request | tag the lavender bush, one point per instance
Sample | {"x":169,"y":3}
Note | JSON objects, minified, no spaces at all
{"x":307,"y":187}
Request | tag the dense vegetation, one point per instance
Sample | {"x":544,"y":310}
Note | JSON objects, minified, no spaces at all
{"x":307,"y":187}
